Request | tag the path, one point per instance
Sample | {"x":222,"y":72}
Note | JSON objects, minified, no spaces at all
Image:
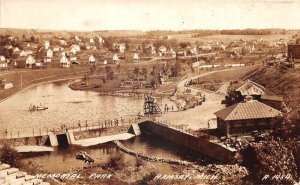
{"x":197,"y":118}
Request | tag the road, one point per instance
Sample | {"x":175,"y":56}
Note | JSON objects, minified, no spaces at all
{"x":197,"y":118}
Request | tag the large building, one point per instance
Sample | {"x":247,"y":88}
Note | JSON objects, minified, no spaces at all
{"x":245,"y":117}
{"x":294,"y":51}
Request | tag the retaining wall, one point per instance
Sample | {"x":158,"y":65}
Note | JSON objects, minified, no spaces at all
{"x":206,"y":147}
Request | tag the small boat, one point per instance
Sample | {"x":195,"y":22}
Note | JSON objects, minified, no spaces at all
{"x":36,"y":108}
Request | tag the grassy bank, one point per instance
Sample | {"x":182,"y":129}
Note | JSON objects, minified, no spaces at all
{"x":24,"y":78}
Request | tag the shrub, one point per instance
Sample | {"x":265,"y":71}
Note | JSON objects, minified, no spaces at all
{"x":9,"y":155}
{"x":116,"y":161}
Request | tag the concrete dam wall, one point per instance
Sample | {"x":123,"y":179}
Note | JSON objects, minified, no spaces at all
{"x":211,"y":149}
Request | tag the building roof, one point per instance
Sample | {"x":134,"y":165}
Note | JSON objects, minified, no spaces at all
{"x":273,"y":98}
{"x":251,"y":109}
{"x":252,"y":88}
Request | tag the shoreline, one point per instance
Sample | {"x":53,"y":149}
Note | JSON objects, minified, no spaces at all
{"x":40,"y":83}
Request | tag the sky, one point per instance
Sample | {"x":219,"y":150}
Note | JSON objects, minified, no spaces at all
{"x":149,"y":14}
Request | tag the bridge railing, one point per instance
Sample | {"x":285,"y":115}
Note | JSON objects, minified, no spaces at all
{"x":80,"y":126}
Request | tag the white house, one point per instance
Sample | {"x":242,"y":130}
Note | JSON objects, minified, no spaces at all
{"x":115,"y":58}
{"x":46,"y":44}
{"x":49,"y":53}
{"x":101,"y":40}
{"x":64,"y":62}
{"x":75,"y":48}
{"x":23,"y":53}
{"x":91,"y":40}
{"x":163,"y":49}
{"x":29,"y":52}
{"x":194,"y":51}
{"x":136,"y":57}
{"x":3,"y":64}
{"x":30,"y":61}
{"x":2,"y":58}
{"x":62,"y":42}
{"x":122,"y":48}
{"x":105,"y":62}
{"x":16,"y":49}
{"x":92,"y":59}
{"x":173,"y":54}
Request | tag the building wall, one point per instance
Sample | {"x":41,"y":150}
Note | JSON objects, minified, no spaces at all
{"x":248,"y":126}
{"x":294,"y":51}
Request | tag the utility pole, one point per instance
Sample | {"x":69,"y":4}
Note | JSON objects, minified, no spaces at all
{"x":21,"y":82}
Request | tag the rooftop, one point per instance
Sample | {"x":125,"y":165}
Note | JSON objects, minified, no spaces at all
{"x":251,"y":109}
{"x":252,"y":88}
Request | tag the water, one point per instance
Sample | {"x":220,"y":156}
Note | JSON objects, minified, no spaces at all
{"x":65,"y":106}
{"x":63,"y":159}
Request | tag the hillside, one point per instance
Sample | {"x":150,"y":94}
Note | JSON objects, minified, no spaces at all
{"x":285,"y":82}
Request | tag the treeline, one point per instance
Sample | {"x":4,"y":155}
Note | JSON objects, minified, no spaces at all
{"x":246,"y":32}
{"x":202,"y":33}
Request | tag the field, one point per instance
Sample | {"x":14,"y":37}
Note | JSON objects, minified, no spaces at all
{"x":229,"y":38}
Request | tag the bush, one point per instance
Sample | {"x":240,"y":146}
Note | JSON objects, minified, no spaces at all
{"x":116,"y":161}
{"x":9,"y":155}
{"x":139,"y":162}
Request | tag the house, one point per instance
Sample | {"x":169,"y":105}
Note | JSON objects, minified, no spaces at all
{"x":74,"y":60}
{"x":23,"y":53}
{"x":100,"y":40}
{"x":29,"y":52}
{"x":8,"y":46}
{"x":46,"y":44}
{"x":122,"y":48}
{"x":63,"y":42}
{"x":92,"y":60}
{"x":91,"y":40}
{"x":245,"y":117}
{"x":3,"y":65}
{"x":75,"y":48}
{"x":2,"y":58}
{"x":115,"y":58}
{"x":25,"y":62}
{"x":193,"y":50}
{"x":163,"y":49}
{"x":105,"y":62}
{"x":136,"y":57}
{"x":294,"y":51}
{"x":150,"y":49}
{"x":49,"y":53}
{"x":64,"y":62}
{"x":253,"y":89}
{"x":16,"y":49}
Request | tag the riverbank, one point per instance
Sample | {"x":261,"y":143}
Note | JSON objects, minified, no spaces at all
{"x":25,"y":78}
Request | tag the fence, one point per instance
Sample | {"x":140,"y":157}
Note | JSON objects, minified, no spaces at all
{"x":80,"y":126}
